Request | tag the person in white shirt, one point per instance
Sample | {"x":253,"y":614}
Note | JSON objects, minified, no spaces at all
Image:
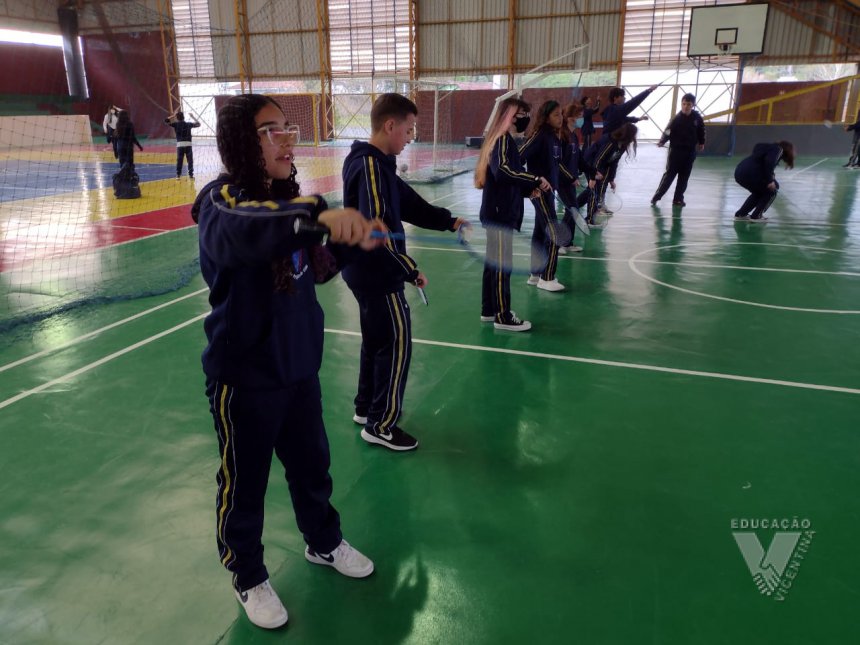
{"x":109,"y":126}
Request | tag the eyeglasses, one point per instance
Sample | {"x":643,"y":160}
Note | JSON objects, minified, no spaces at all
{"x":278,"y":136}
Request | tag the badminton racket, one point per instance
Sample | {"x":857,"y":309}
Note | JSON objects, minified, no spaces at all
{"x":554,"y":230}
{"x":613,"y":201}
{"x":308,"y":226}
{"x":578,"y":219}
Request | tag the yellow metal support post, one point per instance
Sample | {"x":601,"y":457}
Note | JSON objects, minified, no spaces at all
{"x":243,"y":45}
{"x":326,"y":127}
{"x":168,"y":50}
{"x":512,"y":41}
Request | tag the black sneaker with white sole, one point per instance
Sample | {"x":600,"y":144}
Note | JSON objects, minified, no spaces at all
{"x":510,"y":322}
{"x":392,"y":438}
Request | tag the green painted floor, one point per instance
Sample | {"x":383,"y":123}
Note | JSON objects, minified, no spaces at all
{"x":576,"y":484}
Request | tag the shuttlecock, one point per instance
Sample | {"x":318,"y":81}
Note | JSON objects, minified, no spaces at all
{"x":403,"y":168}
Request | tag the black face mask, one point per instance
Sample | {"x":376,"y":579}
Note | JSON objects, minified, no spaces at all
{"x":521,"y":123}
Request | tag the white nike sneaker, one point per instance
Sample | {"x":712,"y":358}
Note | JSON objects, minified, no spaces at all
{"x":263,"y":606}
{"x":345,"y":559}
{"x":550,"y":285}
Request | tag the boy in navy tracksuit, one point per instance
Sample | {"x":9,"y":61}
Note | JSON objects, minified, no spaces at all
{"x":686,"y":136}
{"x":183,"y":141}
{"x":757,"y":174}
{"x":376,"y":279}
{"x":265,"y":337}
{"x":616,"y":114}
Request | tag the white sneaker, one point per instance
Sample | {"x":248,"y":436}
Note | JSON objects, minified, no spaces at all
{"x":263,"y":606}
{"x":533,"y":279}
{"x":562,"y":250}
{"x":362,"y":421}
{"x":573,"y":248}
{"x":487,"y":318}
{"x":345,"y":559}
{"x":550,"y":285}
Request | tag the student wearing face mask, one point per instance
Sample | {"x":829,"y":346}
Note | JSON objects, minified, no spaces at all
{"x":686,"y":136}
{"x":504,"y":183}
{"x":542,"y":152}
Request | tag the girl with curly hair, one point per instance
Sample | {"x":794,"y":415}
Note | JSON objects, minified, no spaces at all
{"x":260,"y":254}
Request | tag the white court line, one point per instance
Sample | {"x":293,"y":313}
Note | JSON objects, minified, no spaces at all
{"x":101,"y":361}
{"x":98,"y":331}
{"x":477,"y":348}
{"x":812,"y":166}
{"x":717,"y":218}
{"x":697,"y":265}
{"x":633,"y":366}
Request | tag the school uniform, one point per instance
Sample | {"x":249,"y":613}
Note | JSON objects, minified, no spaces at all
{"x":265,"y":343}
{"x":505,"y":186}
{"x":854,"y":159}
{"x":587,"y":128}
{"x":542,"y":154}
{"x":573,"y":160}
{"x":183,"y":144}
{"x":684,"y":134}
{"x":602,"y":158}
{"x":614,"y":116}
{"x":125,"y":140}
{"x":376,"y":279}
{"x":755,"y":173}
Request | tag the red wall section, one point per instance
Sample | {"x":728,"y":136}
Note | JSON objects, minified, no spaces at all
{"x":140,"y":86}
{"x":32,"y":69}
{"x":813,"y":107}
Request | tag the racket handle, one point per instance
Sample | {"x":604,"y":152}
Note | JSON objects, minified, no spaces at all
{"x":309,"y":226}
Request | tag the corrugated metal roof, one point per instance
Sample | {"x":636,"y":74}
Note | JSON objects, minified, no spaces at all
{"x":473,"y":37}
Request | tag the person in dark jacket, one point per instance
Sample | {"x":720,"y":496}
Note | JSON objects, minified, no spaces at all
{"x":182,"y":130}
{"x":617,"y":113}
{"x":371,"y":184}
{"x":265,"y":338}
{"x":602,"y":165}
{"x":757,"y":174}
{"x":504,"y":182}
{"x":574,"y":160}
{"x":686,"y":136}
{"x":125,"y":139}
{"x":542,"y":152}
{"x":854,"y":159}
{"x":588,"y":110}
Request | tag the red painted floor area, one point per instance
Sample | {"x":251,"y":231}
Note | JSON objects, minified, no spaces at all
{"x":26,"y":244}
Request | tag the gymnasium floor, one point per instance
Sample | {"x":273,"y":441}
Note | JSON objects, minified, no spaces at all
{"x":576,"y":484}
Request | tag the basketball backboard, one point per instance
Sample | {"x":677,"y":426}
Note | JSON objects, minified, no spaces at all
{"x":729,"y":29}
